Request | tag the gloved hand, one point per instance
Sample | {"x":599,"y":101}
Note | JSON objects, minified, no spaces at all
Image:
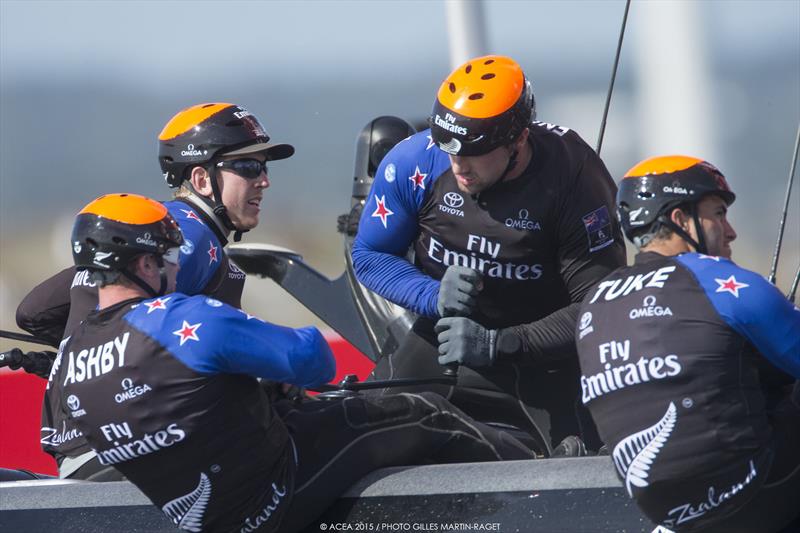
{"x":277,"y":391}
{"x":465,"y":342}
{"x":38,"y":363}
{"x":457,"y":291}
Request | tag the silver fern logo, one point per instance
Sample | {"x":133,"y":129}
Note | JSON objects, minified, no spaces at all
{"x":187,"y":511}
{"x":634,"y":455}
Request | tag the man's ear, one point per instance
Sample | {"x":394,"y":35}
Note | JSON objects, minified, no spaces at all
{"x":201,"y":182}
{"x":143,"y":265}
{"x":681,"y":218}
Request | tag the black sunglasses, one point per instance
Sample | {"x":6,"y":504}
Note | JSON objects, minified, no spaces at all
{"x":247,"y":168}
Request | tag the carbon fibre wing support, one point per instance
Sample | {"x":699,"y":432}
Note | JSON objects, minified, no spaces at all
{"x":333,"y":301}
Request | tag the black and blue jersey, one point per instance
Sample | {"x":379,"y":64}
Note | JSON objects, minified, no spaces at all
{"x":164,"y":390}
{"x":670,"y":350}
{"x":57,"y":306}
{"x":540,"y":240}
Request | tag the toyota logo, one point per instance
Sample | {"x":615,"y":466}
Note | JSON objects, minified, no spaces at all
{"x":454,"y":200}
{"x":649,"y":301}
{"x":73,"y":402}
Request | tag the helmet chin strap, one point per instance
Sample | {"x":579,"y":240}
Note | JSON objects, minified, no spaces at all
{"x":700,"y":244}
{"x":162,"y":274}
{"x":512,"y":162}
{"x":219,"y":208}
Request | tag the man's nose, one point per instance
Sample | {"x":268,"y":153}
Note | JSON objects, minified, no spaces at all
{"x":459,"y":164}
{"x":262,"y":181}
{"x":730,"y":232}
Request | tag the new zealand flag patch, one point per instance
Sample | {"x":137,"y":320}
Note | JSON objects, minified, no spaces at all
{"x":598,"y":228}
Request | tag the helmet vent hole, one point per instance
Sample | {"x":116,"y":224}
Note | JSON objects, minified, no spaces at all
{"x":645,"y":195}
{"x":208,"y":105}
{"x":234,"y":123}
{"x":476,"y":96}
{"x":469,"y":69}
{"x":119,"y":240}
{"x":487,"y":76}
{"x":92,"y":243}
{"x":452,"y":87}
{"x":488,"y":62}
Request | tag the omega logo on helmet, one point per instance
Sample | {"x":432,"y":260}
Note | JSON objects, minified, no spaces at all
{"x":147,"y":240}
{"x":191,"y":152}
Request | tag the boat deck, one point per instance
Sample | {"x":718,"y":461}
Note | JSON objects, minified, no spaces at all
{"x":556,"y":495}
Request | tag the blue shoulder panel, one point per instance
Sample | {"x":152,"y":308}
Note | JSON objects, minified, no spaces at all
{"x":751,"y":306}
{"x":389,"y":224}
{"x":202,"y":252}
{"x":211,"y":337}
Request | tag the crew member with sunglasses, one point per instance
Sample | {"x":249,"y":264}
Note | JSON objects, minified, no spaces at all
{"x":216,"y":155}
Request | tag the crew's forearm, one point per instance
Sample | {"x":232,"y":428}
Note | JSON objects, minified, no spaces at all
{"x":544,"y":341}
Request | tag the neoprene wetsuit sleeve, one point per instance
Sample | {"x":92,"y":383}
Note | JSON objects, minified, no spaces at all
{"x":590,"y":247}
{"x":389,"y":223}
{"x":44,"y":311}
{"x":549,"y":339}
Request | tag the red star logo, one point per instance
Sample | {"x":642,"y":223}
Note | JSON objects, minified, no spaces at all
{"x":382,"y":211}
{"x":188,"y":332}
{"x":191,"y":214}
{"x":730,"y":285}
{"x":431,"y":143}
{"x":212,"y":253}
{"x":158,"y":303}
{"x":418,"y":179}
{"x":712,"y":257}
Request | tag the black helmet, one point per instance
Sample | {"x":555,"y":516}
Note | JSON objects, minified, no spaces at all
{"x":113,"y":229}
{"x":483,"y":104}
{"x":373,"y":143}
{"x":198,"y":134}
{"x":655,"y":186}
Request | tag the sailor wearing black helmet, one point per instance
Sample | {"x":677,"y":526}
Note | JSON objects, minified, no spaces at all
{"x":198,"y":436}
{"x":688,"y":359}
{"x":216,"y":155}
{"x":510,"y":222}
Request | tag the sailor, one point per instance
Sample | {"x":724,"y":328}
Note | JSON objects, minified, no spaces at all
{"x":510,"y":222}
{"x":679,"y":355}
{"x":163,"y":387}
{"x":215,"y":156}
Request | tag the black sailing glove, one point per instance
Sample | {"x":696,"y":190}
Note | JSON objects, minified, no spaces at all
{"x":465,"y":342}
{"x":457,"y":291}
{"x":38,"y":363}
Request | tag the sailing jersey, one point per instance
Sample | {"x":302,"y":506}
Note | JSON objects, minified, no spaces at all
{"x":540,"y":240}
{"x":164,"y":390}
{"x":53,"y":310}
{"x":669,"y":350}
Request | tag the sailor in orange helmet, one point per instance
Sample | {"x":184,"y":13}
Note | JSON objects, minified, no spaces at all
{"x":510,"y":221}
{"x":688,"y":359}
{"x":215,"y":155}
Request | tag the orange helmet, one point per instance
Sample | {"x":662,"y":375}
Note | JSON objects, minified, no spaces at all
{"x":655,"y":186}
{"x":483,"y":104}
{"x":198,"y":134}
{"x":113,"y":229}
